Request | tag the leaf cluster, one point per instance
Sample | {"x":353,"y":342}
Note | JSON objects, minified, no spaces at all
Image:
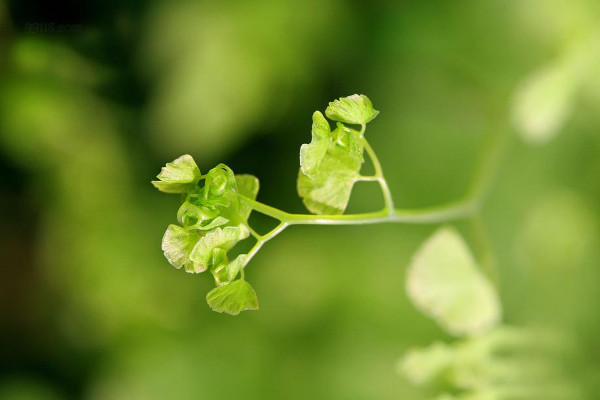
{"x":331,"y":162}
{"x":212,"y":220}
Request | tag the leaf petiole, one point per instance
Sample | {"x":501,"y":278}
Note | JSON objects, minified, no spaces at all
{"x":261,"y":240}
{"x":367,"y":178}
{"x":385,"y":189}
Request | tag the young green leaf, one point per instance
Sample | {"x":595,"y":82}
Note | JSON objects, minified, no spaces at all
{"x":223,"y":238}
{"x":226,"y":272}
{"x":312,"y":154}
{"x":219,"y":187}
{"x":178,"y":176}
{"x":445,"y":283}
{"x":193,"y":216}
{"x":177,"y":244}
{"x":355,"y":109}
{"x":233,"y":298}
{"x":327,"y":190}
{"x":247,"y":186}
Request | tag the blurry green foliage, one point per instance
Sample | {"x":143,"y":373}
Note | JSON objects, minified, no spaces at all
{"x":214,"y":75}
{"x":504,"y":364}
{"x":221,"y":69}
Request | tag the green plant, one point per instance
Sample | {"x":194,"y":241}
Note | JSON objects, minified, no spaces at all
{"x":215,"y":208}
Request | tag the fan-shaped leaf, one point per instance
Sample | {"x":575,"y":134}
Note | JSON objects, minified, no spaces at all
{"x":355,"y":109}
{"x":445,"y":283}
{"x":178,"y":176}
{"x":177,"y":243}
{"x":233,"y":298}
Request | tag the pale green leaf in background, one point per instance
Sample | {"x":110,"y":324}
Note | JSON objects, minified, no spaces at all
{"x":178,"y":176}
{"x":423,"y":366}
{"x":355,"y":109}
{"x":233,"y":298}
{"x":445,"y":283}
{"x":544,"y":102}
{"x":505,"y":363}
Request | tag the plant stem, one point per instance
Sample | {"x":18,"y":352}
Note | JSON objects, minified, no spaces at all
{"x":387,"y":194}
{"x":262,"y":239}
{"x":486,"y":250}
{"x":447,"y":212}
{"x":367,"y":178}
{"x":489,"y":165}
{"x":256,"y":235}
{"x":467,"y":206}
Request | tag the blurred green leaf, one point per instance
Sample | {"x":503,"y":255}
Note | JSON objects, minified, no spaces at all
{"x":544,"y":102}
{"x":423,"y":366}
{"x":445,"y":283}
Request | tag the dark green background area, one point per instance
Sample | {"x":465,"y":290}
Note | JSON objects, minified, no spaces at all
{"x":96,"y":96}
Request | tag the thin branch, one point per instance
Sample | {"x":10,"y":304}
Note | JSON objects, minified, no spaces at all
{"x":387,"y":194}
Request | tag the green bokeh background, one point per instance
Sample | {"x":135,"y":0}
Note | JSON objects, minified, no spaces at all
{"x":96,"y":96}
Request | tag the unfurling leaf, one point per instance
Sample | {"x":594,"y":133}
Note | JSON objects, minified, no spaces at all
{"x":233,"y":298}
{"x":224,"y":272}
{"x":220,"y":188}
{"x":178,"y":176}
{"x":193,"y":216}
{"x":355,"y":109}
{"x":177,"y":244}
{"x":445,"y":283}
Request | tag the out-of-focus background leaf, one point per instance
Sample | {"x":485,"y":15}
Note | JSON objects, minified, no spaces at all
{"x":96,"y":96}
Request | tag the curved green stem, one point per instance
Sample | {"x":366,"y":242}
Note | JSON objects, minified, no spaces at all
{"x":489,"y":164}
{"x":256,"y":235}
{"x":468,"y":206}
{"x":385,"y":189}
{"x":262,"y":239}
{"x":447,"y":212}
